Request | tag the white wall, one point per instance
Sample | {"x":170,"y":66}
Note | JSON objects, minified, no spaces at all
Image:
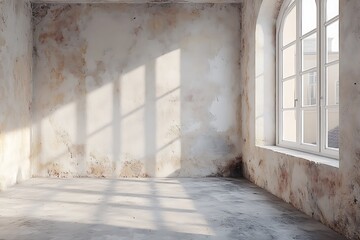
{"x":136,"y":90}
{"x":15,"y":91}
{"x":315,"y":185}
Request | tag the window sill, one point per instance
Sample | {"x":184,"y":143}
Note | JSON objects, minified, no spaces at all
{"x":303,"y":155}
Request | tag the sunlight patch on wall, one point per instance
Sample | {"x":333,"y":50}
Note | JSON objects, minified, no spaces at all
{"x":132,"y":94}
{"x":168,"y":118}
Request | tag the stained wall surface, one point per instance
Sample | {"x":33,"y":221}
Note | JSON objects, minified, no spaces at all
{"x":136,"y":90}
{"x":15,"y":91}
{"x":328,"y":190}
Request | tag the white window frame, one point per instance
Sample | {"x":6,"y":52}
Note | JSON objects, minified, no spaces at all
{"x":320,"y":70}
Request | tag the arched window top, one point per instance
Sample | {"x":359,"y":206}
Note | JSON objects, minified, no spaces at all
{"x":289,"y":26}
{"x":308,"y":76}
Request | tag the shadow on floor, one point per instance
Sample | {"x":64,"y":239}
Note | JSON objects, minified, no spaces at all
{"x":188,"y":208}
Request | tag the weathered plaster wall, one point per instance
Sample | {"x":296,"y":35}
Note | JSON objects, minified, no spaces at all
{"x":136,"y":90}
{"x":15,"y":91}
{"x":319,"y":187}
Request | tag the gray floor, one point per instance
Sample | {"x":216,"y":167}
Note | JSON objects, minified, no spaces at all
{"x":156,"y":209}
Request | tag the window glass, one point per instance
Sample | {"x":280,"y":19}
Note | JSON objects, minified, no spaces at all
{"x":308,"y":16}
{"x":289,"y":93}
{"x":289,"y":61}
{"x":309,"y":52}
{"x":332,"y":81}
{"x":289,"y":125}
{"x":332,"y":128}
{"x":309,"y":126}
{"x":289,"y":31}
{"x":332,"y":8}
{"x":332,"y":42}
{"x":309,"y":89}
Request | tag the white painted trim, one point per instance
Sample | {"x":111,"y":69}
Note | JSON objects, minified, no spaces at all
{"x":320,"y":69}
{"x":322,"y":160}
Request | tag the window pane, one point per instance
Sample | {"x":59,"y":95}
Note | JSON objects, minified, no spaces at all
{"x":288,"y":93}
{"x":309,"y":89}
{"x":289,"y":125}
{"x":289,"y":60}
{"x":309,"y":52}
{"x":332,"y":84}
{"x":332,"y":42}
{"x":332,"y":128}
{"x":332,"y":8}
{"x":289,"y":30}
{"x":310,"y":126}
{"x":308,"y":15}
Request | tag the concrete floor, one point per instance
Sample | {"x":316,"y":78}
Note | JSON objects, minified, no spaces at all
{"x":156,"y":209}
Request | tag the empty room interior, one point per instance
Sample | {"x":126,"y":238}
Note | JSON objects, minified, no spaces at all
{"x":190,"y":119}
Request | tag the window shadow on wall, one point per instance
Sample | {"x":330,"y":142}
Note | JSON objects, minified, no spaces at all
{"x":149,"y":97}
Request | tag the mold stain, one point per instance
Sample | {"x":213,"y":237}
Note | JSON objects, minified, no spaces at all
{"x":67,"y":22}
{"x":73,"y":150}
{"x":52,"y":169}
{"x":58,"y":11}
{"x":57,"y":36}
{"x":261,"y":163}
{"x":131,"y":169}
{"x":283,"y":178}
{"x":100,"y":165}
{"x":39,"y":11}
{"x":233,"y":169}
{"x":322,"y":184}
{"x":166,"y":16}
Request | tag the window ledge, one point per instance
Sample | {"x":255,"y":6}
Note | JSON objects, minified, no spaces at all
{"x":303,"y":155}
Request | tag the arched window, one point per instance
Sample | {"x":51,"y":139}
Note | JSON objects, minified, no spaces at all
{"x":308,"y":76}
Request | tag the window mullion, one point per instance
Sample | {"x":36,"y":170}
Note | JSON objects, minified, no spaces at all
{"x":319,"y":72}
{"x":331,"y":63}
{"x":328,"y":22}
{"x":307,"y":34}
{"x":298,"y":74}
{"x":322,"y":86}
